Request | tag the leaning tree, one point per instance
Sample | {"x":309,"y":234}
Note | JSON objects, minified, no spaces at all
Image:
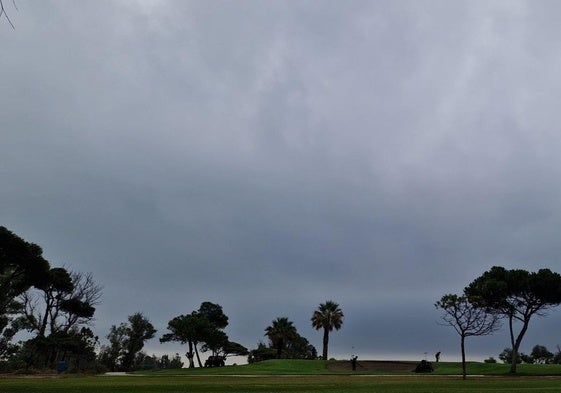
{"x":517,"y":295}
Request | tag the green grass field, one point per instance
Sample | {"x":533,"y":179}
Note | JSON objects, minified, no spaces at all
{"x":319,"y":367}
{"x":296,"y":376}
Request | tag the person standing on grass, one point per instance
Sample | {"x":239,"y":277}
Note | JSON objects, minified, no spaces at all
{"x":353,"y":362}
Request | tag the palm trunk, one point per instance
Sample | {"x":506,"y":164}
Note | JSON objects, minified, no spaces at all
{"x":279,"y":348}
{"x":325,"y":342}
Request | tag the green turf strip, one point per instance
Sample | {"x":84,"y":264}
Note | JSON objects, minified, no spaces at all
{"x":303,"y":384}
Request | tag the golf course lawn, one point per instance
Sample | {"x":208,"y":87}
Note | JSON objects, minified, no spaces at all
{"x":299,"y":376}
{"x":292,"y":383}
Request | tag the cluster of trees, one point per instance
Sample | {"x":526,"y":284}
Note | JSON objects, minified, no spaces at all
{"x":539,"y":355}
{"x":57,"y":306}
{"x":124,"y":352}
{"x":497,"y":295}
{"x":125,"y":344}
{"x":285,"y":342}
{"x":53,"y":304}
{"x":203,"y":328}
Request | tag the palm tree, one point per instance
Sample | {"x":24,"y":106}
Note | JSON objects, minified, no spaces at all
{"x":280,"y":333}
{"x":328,"y":316}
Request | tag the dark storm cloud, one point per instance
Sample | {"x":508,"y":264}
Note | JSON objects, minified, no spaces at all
{"x":271,"y":155}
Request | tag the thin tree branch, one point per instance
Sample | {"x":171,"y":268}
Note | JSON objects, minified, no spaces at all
{"x":3,"y":12}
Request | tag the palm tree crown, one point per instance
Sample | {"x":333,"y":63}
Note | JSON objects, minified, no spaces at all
{"x":328,"y":316}
{"x":280,"y":333}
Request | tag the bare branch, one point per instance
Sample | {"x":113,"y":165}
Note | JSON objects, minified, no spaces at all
{"x":5,"y":14}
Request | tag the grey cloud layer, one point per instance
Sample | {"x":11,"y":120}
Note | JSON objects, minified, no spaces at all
{"x":269,"y":156}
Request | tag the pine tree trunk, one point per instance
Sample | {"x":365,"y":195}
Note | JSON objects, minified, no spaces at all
{"x":190,"y":355}
{"x":198,"y":357}
{"x":516,"y":344}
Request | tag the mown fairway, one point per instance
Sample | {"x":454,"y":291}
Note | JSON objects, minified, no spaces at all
{"x":304,"y":384}
{"x":300,"y":376}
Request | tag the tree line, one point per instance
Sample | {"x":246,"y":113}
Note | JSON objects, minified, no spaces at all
{"x":57,"y":307}
{"x":202,"y":330}
{"x":539,"y":355}
{"x":54,"y":304}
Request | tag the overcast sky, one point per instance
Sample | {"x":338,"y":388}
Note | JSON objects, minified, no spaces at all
{"x":271,"y":155}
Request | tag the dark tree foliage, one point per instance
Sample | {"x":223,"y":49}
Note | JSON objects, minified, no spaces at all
{"x":143,"y":361}
{"x":139,"y":330}
{"x":328,"y":316}
{"x":284,"y":343}
{"x":467,"y":320}
{"x":184,"y":329}
{"x":517,"y":295}
{"x":214,"y":313}
{"x":557,"y":356}
{"x":65,"y":301}
{"x":232,"y":348}
{"x":79,"y":306}
{"x":506,"y":356}
{"x":13,"y":323}
{"x":166,"y":363}
{"x":58,"y":285}
{"x":214,"y":340}
{"x":204,"y":326}
{"x":541,"y":355}
{"x":280,"y":333}
{"x":261,"y":353}
{"x":189,"y":329}
{"x":300,"y":348}
{"x":21,"y":266}
{"x":125,"y":343}
{"x":75,"y":348}
{"x":110,"y":356}
{"x":51,"y":302}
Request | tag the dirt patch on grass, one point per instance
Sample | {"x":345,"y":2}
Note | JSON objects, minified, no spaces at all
{"x":374,"y":365}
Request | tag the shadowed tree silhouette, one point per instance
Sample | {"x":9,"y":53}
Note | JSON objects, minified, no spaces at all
{"x":466,"y":319}
{"x":138,"y":331}
{"x":281,"y":332}
{"x":328,"y":316}
{"x":517,"y":295}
